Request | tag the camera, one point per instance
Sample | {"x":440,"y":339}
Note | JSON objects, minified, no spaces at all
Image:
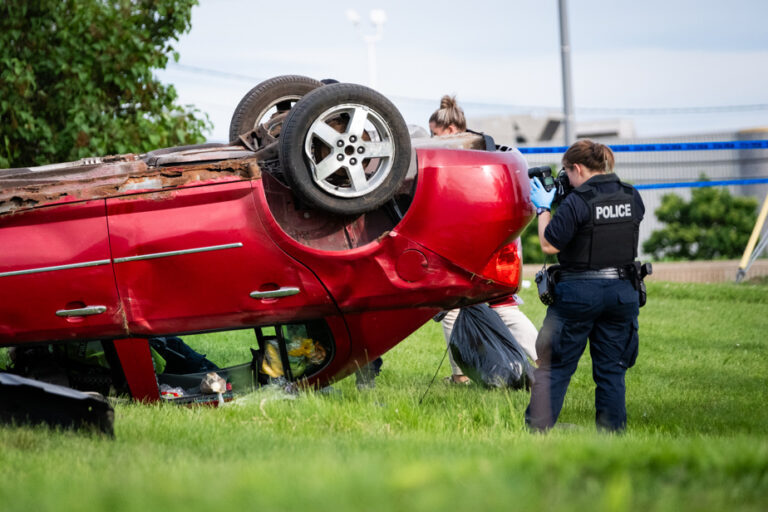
{"x":560,"y":183}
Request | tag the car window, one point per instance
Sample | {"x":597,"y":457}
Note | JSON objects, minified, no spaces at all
{"x":294,"y":351}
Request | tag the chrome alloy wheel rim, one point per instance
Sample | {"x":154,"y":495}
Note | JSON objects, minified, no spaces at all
{"x":350,"y":150}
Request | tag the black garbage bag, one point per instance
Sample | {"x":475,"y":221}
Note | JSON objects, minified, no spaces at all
{"x":486,"y":351}
{"x":28,"y":401}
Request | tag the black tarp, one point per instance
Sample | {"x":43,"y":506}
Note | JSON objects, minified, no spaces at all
{"x":28,"y":401}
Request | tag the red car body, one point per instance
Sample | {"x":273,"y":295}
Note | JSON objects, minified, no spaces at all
{"x":125,"y":250}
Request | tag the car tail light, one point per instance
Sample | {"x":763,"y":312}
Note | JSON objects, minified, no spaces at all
{"x":505,"y":265}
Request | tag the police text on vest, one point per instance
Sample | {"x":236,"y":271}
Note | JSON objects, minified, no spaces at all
{"x":613,"y":211}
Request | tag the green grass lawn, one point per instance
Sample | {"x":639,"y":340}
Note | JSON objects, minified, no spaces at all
{"x":697,"y":405}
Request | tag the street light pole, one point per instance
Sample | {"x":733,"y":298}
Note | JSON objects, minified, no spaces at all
{"x":371,"y":42}
{"x":378,"y":17}
{"x":565,"y":60}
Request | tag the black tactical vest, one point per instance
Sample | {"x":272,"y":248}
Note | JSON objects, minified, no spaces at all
{"x":610,"y":237}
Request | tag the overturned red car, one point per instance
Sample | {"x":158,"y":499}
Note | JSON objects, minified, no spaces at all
{"x":322,"y":225}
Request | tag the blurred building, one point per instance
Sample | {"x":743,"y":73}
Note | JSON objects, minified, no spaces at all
{"x":515,"y":130}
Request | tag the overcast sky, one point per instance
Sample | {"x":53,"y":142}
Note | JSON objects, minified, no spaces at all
{"x":496,"y":56}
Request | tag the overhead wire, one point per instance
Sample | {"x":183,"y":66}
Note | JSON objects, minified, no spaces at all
{"x":634,"y":111}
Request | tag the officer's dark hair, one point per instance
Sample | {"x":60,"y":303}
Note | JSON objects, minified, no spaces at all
{"x":590,"y":154}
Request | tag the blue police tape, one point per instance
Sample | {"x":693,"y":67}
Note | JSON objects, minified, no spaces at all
{"x":674,"y":146}
{"x":698,"y":184}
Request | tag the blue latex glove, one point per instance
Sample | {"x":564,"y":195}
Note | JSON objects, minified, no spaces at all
{"x":539,"y":195}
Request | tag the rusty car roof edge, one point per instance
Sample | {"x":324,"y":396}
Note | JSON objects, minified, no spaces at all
{"x":117,"y":178}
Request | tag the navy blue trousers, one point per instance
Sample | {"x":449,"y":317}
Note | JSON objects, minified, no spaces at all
{"x":605,"y":312}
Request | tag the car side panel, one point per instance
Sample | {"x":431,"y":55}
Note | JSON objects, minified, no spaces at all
{"x":57,"y":259}
{"x":435,"y":255}
{"x":188,"y":260}
{"x":381,"y":274}
{"x":391,"y":286}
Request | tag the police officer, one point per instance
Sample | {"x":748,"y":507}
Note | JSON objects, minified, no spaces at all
{"x":595,"y":235}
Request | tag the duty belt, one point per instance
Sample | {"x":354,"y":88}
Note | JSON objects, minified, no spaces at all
{"x":604,"y":273}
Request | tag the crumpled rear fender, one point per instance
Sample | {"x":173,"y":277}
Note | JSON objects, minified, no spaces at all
{"x":468,"y":204}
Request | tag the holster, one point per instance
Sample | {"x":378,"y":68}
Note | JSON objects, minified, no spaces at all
{"x":637,"y":272}
{"x":546,"y":278}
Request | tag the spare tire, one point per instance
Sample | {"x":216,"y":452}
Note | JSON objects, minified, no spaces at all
{"x":271,"y":96}
{"x":345,"y":149}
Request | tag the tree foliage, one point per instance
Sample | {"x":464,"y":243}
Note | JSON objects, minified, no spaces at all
{"x":712,"y":225}
{"x":76,"y":79}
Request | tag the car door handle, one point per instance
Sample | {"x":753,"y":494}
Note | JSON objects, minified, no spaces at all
{"x":86,"y":311}
{"x":286,"y":291}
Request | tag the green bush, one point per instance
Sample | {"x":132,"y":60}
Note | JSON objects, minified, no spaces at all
{"x":77,"y":79}
{"x":712,"y":225}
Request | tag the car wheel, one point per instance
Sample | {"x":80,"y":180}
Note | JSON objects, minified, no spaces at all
{"x":345,"y":149}
{"x":266,"y":100}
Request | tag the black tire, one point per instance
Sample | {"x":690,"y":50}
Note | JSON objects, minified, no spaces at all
{"x":352,"y":165}
{"x":278,"y":93}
